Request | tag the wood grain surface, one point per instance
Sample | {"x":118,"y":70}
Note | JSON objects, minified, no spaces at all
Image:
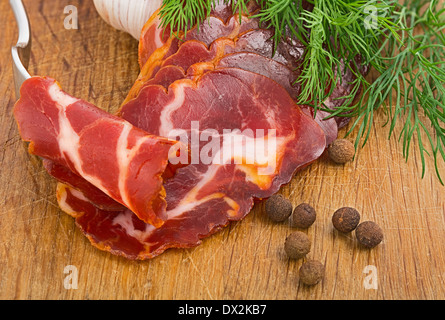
{"x":246,"y":260}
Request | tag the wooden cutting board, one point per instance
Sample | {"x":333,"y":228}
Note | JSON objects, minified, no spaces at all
{"x":41,"y":249}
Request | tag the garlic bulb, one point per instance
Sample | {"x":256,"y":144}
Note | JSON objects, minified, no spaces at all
{"x":127,"y":15}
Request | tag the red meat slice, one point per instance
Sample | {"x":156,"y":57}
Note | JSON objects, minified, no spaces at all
{"x":204,"y":196}
{"x":94,"y":195}
{"x":121,"y":160}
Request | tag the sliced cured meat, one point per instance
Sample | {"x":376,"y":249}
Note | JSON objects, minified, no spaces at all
{"x":95,"y":196}
{"x":155,"y":45}
{"x":194,"y":58}
{"x":251,"y":138}
{"x":224,"y":91}
{"x":222,"y":22}
{"x":195,"y":51}
{"x":121,"y":160}
{"x":154,"y":37}
{"x":166,"y":76}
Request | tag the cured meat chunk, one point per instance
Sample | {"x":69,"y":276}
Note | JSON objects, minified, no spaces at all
{"x":247,"y":137}
{"x":121,"y":160}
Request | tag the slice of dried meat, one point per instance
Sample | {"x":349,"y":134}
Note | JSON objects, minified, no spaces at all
{"x":119,"y":159}
{"x":157,"y":43}
{"x":95,"y":195}
{"x":221,"y":22}
{"x":249,"y":137}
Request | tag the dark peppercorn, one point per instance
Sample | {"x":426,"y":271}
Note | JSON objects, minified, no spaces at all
{"x":341,"y":151}
{"x":311,"y":272}
{"x":345,"y":219}
{"x":278,"y":208}
{"x":297,"y":245}
{"x":303,"y":216}
{"x":369,"y":234}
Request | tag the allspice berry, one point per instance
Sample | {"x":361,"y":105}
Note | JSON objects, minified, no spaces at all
{"x":345,"y":219}
{"x":303,"y":216}
{"x":311,"y":272}
{"x":297,"y":245}
{"x":278,"y":208}
{"x":369,"y":234}
{"x":341,"y":151}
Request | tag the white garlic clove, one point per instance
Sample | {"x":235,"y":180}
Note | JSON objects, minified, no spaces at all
{"x":127,"y":15}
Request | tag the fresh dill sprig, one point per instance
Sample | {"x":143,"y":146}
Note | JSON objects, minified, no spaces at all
{"x":335,"y":33}
{"x":183,"y":15}
{"x":411,"y":85}
{"x":283,"y":17}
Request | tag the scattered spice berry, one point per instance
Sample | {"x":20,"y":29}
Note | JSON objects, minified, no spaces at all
{"x":311,"y":272}
{"x":303,"y":216}
{"x":297,"y":245}
{"x":341,"y":151}
{"x":369,"y":234}
{"x":345,"y":219}
{"x":278,"y":208}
